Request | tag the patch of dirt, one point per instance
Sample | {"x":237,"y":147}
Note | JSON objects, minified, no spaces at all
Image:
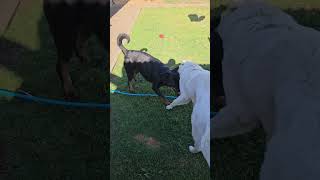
{"x":153,"y":142}
{"x":118,"y":4}
{"x":149,"y":141}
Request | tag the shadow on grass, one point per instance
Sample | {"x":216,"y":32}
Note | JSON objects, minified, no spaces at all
{"x":50,"y":142}
{"x":241,"y":157}
{"x":195,"y":18}
{"x":144,"y":50}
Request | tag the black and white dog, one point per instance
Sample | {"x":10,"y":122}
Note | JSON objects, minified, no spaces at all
{"x":151,"y":68}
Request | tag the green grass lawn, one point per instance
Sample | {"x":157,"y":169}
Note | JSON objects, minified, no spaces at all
{"x":147,"y":141}
{"x":240,"y":157}
{"x":40,"y":141}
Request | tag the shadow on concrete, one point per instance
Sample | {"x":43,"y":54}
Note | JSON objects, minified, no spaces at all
{"x":116,"y":6}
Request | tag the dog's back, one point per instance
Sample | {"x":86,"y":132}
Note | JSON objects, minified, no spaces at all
{"x":138,"y":61}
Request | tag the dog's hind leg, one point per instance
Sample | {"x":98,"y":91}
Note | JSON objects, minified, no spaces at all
{"x":198,"y":129}
{"x":64,"y":75}
{"x":130,"y":84}
{"x":63,"y":31}
{"x":62,"y":68}
{"x":130,"y":75}
{"x":135,"y":76}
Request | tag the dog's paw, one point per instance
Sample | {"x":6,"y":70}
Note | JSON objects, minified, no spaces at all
{"x":169,"y":107}
{"x":193,"y":150}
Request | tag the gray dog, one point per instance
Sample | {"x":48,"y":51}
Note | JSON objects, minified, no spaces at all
{"x":271,"y":76}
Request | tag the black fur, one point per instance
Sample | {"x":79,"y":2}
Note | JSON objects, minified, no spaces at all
{"x":68,"y":21}
{"x":71,"y":25}
{"x":152,"y":69}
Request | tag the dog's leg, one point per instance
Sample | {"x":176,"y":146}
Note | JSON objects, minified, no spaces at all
{"x":65,"y":51}
{"x":198,"y":128}
{"x":81,"y":45}
{"x":155,"y":88}
{"x":130,"y":85}
{"x":181,"y":100}
{"x":130,"y":75}
{"x":229,"y":123}
{"x":196,"y":147}
{"x":63,"y":31}
{"x":135,"y":76}
{"x":64,"y":75}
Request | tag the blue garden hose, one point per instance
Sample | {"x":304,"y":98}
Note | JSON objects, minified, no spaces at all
{"x":28,"y":97}
{"x":212,"y":114}
{"x":133,"y":94}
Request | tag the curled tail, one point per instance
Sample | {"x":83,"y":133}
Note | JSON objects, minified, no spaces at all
{"x":121,"y":37}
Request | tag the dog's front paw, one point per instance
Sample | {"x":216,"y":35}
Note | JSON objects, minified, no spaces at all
{"x":193,"y":149}
{"x":169,"y":107}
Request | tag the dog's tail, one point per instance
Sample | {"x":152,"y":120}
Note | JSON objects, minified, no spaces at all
{"x":121,"y":37}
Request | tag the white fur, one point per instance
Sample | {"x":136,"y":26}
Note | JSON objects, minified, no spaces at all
{"x":195,"y":87}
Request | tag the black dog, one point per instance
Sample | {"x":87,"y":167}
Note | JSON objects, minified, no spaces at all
{"x":152,"y":69}
{"x":71,"y":25}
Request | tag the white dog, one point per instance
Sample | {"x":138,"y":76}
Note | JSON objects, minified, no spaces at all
{"x":271,"y":76}
{"x":195,"y":86}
